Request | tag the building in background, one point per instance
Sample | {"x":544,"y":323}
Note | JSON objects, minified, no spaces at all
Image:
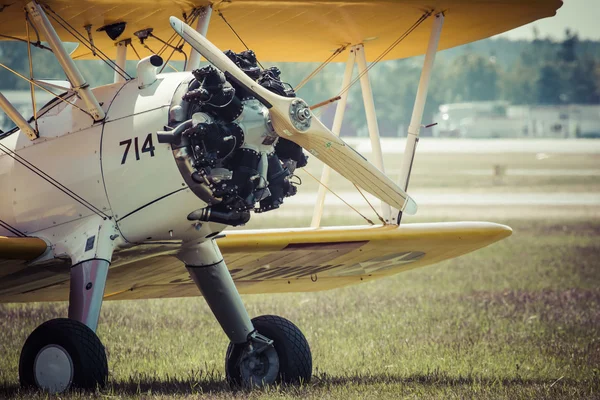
{"x":499,"y":119}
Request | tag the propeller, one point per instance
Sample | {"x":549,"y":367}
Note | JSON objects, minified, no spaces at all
{"x":292,"y":119}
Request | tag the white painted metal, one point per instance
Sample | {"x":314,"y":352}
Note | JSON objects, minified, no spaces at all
{"x":40,"y":20}
{"x":336,"y":128}
{"x":144,"y":190}
{"x":32,"y":203}
{"x":17,"y":118}
{"x":133,"y":100}
{"x":202,"y":27}
{"x":121,"y":60}
{"x":372,"y":125}
{"x":146,"y":71}
{"x":419,"y":106}
{"x":157,"y":220}
{"x":53,"y":369}
{"x":55,"y":83}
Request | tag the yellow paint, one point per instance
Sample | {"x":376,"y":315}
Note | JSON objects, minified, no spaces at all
{"x":293,"y":30}
{"x":26,"y":249}
{"x":291,"y":260}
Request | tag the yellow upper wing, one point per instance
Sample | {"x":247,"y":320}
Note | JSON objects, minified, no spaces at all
{"x":291,"y":30}
{"x":270,"y":261}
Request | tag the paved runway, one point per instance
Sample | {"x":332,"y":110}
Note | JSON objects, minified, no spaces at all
{"x":436,"y":145}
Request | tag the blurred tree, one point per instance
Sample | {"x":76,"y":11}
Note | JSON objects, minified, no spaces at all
{"x":473,"y":78}
{"x":549,"y":85}
{"x":568,"y":47}
{"x":518,"y":84}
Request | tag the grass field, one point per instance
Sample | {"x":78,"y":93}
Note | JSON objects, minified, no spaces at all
{"x":519,"y":319}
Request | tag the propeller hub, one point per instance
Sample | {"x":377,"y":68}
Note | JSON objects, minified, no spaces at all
{"x":300,"y":115}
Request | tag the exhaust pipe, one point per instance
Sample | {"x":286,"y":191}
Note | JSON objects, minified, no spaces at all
{"x":146,"y":70}
{"x":233,"y":218}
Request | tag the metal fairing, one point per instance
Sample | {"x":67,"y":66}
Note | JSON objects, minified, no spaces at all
{"x":31,"y":202}
{"x":147,"y":194}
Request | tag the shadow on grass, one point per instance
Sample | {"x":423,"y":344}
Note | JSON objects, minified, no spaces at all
{"x":214,"y":383}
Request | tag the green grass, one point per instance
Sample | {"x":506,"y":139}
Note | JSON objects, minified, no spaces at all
{"x":519,"y":319}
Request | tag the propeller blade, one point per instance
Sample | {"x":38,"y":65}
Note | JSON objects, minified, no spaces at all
{"x":293,"y":120}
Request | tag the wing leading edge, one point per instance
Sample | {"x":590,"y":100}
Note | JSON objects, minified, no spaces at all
{"x":21,"y":248}
{"x":277,"y":261}
{"x":295,"y":30}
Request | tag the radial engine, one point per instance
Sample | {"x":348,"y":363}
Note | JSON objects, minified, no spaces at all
{"x":225,"y":146}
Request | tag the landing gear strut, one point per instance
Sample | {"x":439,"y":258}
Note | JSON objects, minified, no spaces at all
{"x":263,"y":351}
{"x":66,"y":353}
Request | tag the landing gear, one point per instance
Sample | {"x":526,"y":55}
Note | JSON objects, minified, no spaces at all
{"x":265,"y":350}
{"x":286,"y":360}
{"x":66,"y":353}
{"x":60,"y":354}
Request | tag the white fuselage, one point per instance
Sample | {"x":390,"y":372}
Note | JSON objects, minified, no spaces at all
{"x":117,"y":165}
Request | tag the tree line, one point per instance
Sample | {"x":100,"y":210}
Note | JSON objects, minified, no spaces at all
{"x":541,"y":72}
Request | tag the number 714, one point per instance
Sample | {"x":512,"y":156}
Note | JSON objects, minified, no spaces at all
{"x":147,"y":147}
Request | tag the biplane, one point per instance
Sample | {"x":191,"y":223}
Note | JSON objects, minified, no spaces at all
{"x":124,"y":191}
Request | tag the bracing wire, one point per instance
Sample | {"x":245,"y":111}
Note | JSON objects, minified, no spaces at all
{"x":52,"y":181}
{"x":238,"y":36}
{"x":388,"y":50}
{"x":336,"y":195}
{"x":78,"y":36}
{"x":370,"y":205}
{"x":11,"y":229}
{"x":31,"y":87}
{"x":135,"y":51}
{"x":329,"y":59}
{"x":38,"y":45}
{"x":44,"y":89}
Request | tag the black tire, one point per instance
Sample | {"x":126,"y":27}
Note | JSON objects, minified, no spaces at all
{"x":90,"y":368}
{"x":295,"y":358}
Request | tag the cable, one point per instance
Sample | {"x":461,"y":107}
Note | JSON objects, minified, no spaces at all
{"x":38,"y":44}
{"x":31,"y":88}
{"x":370,"y":205}
{"x":85,"y":42}
{"x":329,"y":59}
{"x":135,"y":51}
{"x":53,"y":181}
{"x":188,"y":20}
{"x":336,"y":195}
{"x":44,"y":89}
{"x":11,"y":229}
{"x":387,"y":51}
{"x":238,"y":36}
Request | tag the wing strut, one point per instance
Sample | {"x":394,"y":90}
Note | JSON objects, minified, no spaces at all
{"x":367,"y":94}
{"x":336,"y":127}
{"x":17,"y":118}
{"x":417,"y":115}
{"x":356,"y":56}
{"x":121,"y":60}
{"x":42,"y":23}
{"x":202,"y":28}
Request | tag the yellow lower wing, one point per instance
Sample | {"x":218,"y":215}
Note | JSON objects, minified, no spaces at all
{"x":275,"y":261}
{"x":21,"y":248}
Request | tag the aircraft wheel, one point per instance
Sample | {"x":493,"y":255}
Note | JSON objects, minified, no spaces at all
{"x":288,"y":361}
{"x":60,"y":354}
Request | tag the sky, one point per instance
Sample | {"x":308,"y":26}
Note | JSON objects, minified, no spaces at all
{"x":581,"y":16}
